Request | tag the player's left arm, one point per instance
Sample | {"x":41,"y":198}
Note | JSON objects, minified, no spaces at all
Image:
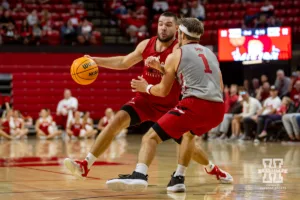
{"x":164,"y":87}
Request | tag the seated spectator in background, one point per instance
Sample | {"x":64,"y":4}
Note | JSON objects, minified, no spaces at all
{"x":290,"y":123}
{"x":104,"y":121}
{"x":282,"y":83}
{"x":254,"y":87}
{"x":19,"y":8}
{"x":185,"y":10}
{"x":263,"y":92}
{"x":25,"y":32}
{"x":276,"y":116}
{"x":295,"y":93}
{"x":65,"y":108}
{"x":267,"y":8}
{"x":270,"y":106}
{"x":250,"y":108}
{"x":76,"y":128}
{"x":45,"y":128}
{"x":231,"y":103}
{"x":68,"y":33}
{"x":251,"y":13}
{"x":20,"y":131}
{"x":263,"y":79}
{"x":73,"y":18}
{"x":246,"y":85}
{"x":47,"y":26}
{"x":274,"y":22}
{"x":6,"y":19}
{"x":5,"y":4}
{"x":88,"y":123}
{"x":197,"y":10}
{"x":36,"y":34}
{"x":36,"y":1}
{"x":7,"y":125}
{"x":84,"y":32}
{"x":160,"y":6}
{"x":136,"y":24}
{"x":294,"y":78}
{"x":261,"y":22}
{"x":10,"y":34}
{"x":32,"y":18}
{"x":46,"y":16}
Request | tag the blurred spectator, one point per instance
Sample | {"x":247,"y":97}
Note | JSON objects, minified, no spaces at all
{"x":6,"y":19}
{"x":270,"y":106}
{"x":251,"y":12}
{"x":263,"y":92}
{"x":109,"y":115}
{"x":68,"y":33}
{"x":185,"y":10}
{"x":5,"y":4}
{"x":246,"y":85}
{"x":136,"y":24}
{"x":282,"y":83}
{"x":47,"y":26}
{"x":294,"y":78}
{"x":290,"y":123}
{"x":267,"y":8}
{"x":276,"y":116}
{"x":20,"y":132}
{"x":84,"y":32}
{"x":263,"y":79}
{"x":25,"y":32}
{"x":231,"y":108}
{"x":19,"y":8}
{"x":37,"y":34}
{"x":261,"y":22}
{"x":250,"y":108}
{"x":160,"y":6}
{"x":36,"y":1}
{"x":273,"y":22}
{"x":66,"y":107}
{"x":46,"y":15}
{"x":197,"y":10}
{"x":295,"y":93}
{"x":7,"y":124}
{"x":73,"y":18}
{"x":10,"y":34}
{"x":32,"y":18}
{"x":254,"y":87}
{"x":88,"y":123}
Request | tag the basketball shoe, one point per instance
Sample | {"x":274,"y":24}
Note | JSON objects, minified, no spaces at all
{"x":132,"y":182}
{"x":176,"y":184}
{"x":222,"y":176}
{"x":79,"y":169}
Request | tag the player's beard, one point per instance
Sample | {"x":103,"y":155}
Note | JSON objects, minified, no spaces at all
{"x":166,"y":39}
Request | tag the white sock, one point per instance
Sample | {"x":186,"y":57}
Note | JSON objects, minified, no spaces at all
{"x":180,"y":171}
{"x":209,"y":167}
{"x":90,"y":158}
{"x":141,"y":168}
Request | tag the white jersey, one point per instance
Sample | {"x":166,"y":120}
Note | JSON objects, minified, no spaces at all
{"x":66,"y":104}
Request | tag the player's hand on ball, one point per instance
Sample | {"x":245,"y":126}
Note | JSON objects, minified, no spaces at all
{"x":139,"y":85}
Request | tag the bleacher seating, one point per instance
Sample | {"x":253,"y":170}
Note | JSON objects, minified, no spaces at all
{"x":33,"y":91}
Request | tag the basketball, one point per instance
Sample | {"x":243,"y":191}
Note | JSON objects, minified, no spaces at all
{"x":84,"y":71}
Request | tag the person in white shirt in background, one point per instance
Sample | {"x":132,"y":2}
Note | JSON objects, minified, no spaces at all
{"x":250,"y":107}
{"x":65,"y":108}
{"x":197,"y":10}
{"x":269,"y":107}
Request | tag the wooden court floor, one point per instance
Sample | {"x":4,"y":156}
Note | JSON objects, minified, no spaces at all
{"x":32,"y":170}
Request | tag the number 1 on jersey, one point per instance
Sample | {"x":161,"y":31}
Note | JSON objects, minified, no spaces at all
{"x":207,"y":69}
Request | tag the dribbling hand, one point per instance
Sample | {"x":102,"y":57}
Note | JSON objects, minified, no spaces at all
{"x":139,"y":85}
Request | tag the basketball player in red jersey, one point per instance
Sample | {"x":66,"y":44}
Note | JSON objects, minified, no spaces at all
{"x":143,"y":106}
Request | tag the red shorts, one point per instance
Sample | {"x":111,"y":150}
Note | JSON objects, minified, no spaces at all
{"x":190,"y":114}
{"x":141,"y":109}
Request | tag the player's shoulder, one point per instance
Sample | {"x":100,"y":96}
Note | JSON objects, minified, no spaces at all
{"x":142,"y":45}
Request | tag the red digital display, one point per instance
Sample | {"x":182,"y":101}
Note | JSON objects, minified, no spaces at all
{"x":272,"y":43}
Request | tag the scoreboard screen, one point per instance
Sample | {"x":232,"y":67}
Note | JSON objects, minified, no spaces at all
{"x":267,"y":44}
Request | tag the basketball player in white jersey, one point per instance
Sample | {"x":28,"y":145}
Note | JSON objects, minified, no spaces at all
{"x":196,"y":68}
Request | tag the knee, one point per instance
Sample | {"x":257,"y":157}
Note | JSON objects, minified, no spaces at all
{"x":151,"y":136}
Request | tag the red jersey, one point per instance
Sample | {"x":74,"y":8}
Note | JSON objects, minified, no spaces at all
{"x":76,"y":127}
{"x":44,"y":125}
{"x":153,"y":76}
{"x":6,"y":126}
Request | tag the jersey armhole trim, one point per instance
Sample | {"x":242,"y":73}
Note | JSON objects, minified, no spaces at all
{"x":179,"y":61}
{"x":148,"y":43}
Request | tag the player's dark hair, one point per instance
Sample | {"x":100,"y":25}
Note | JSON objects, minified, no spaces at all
{"x":193,"y":25}
{"x":170,"y":14}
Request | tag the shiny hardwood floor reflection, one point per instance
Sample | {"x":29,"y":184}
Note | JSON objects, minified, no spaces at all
{"x":32,"y":170}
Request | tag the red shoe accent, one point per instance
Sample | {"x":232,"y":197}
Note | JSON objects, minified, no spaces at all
{"x":216,"y":171}
{"x":83,"y":164}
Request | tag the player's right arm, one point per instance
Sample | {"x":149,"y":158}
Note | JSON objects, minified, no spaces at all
{"x":122,"y":62}
{"x":100,"y":124}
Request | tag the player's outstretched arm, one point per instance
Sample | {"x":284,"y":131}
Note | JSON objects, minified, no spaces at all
{"x":122,"y":62}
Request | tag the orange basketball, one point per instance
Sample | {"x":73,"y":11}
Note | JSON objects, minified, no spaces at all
{"x":84,"y":71}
